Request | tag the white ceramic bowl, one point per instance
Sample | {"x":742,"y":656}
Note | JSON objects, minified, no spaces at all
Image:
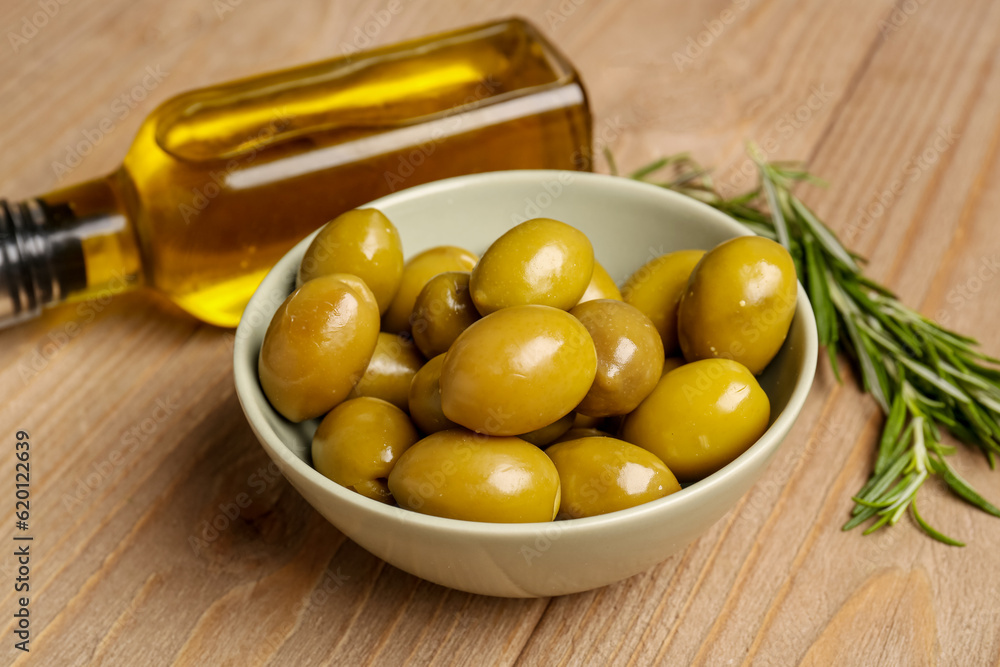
{"x":628,"y":223}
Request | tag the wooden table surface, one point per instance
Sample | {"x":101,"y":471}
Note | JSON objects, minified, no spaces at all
{"x":138,"y":441}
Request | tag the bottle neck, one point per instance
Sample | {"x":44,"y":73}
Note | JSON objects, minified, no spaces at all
{"x":71,"y":244}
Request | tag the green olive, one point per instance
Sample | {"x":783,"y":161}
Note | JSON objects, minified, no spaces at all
{"x":357,"y":284}
{"x":389,"y":373}
{"x":546,"y":435}
{"x":602,"y":286}
{"x":601,"y":475}
{"x":671,"y":363}
{"x":362,"y":242}
{"x":700,"y":417}
{"x":317,"y":346}
{"x":739,"y":303}
{"x":578,"y":432}
{"x":656,"y":289}
{"x":541,"y":261}
{"x":442,"y":311}
{"x":629,"y":356}
{"x":583,"y":421}
{"x":417,"y":271}
{"x":463,"y":475}
{"x":517,"y":370}
{"x":425,"y":398}
{"x":358,"y":443}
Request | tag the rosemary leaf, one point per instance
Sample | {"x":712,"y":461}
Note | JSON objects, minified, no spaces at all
{"x":940,"y":537}
{"x":825,"y":236}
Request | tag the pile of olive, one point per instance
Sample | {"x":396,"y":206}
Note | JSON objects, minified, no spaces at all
{"x":492,"y":389}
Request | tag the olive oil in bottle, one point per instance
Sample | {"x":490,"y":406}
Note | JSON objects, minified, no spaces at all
{"x":220,"y":182}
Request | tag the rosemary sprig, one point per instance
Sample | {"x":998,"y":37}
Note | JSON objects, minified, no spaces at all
{"x":923,"y":376}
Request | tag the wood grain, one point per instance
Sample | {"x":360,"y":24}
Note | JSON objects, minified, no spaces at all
{"x":139,"y":443}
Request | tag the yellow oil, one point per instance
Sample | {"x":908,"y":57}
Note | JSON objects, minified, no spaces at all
{"x":221,"y":182}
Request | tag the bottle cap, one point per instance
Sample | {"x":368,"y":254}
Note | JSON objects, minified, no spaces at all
{"x":37,"y":264}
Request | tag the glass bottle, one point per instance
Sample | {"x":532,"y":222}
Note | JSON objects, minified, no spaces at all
{"x":220,"y":182}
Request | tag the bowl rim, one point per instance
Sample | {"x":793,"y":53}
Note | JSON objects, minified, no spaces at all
{"x":252,"y":399}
